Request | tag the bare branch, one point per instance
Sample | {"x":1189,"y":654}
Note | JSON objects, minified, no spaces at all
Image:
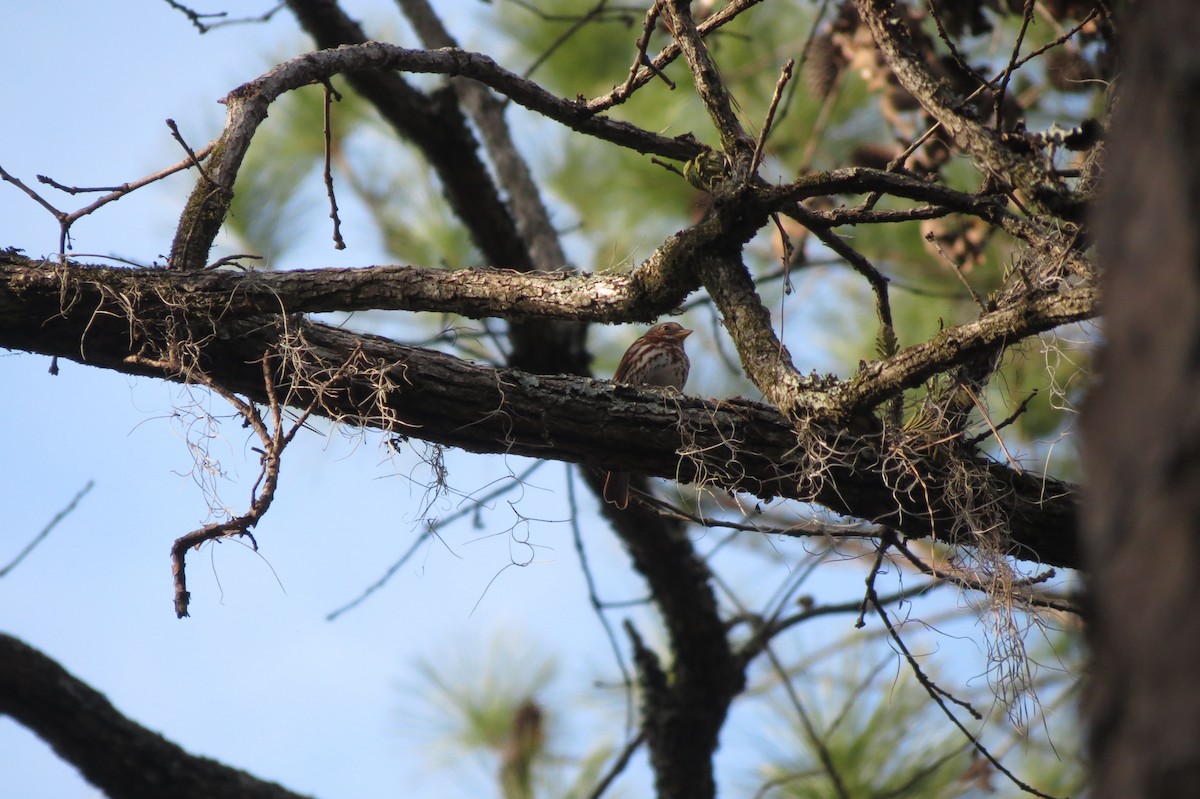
{"x":669,"y":54}
{"x":248,"y":105}
{"x":118,"y":756}
{"x":784,"y":76}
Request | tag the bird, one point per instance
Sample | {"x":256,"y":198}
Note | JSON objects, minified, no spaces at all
{"x":655,"y":359}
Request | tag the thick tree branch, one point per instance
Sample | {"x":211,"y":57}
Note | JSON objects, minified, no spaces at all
{"x":913,"y":365}
{"x":118,"y":756}
{"x":733,"y":444}
{"x":473,"y":293}
{"x":766,"y":360}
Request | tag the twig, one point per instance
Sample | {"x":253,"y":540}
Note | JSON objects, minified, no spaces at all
{"x":431,"y":530}
{"x":642,"y":59}
{"x":886,"y":540}
{"x":1026,"y":18}
{"x":668,"y":54}
{"x":618,"y":766}
{"x":1016,"y":467}
{"x":577,"y":23}
{"x":774,"y":627}
{"x":932,"y":238}
{"x":954,"y":52}
{"x":331,"y":94}
{"x":195,"y":17}
{"x":784,"y":77}
{"x":54,"y":184}
{"x":1012,"y":417}
{"x":597,"y":605}
{"x":233,"y":259}
{"x":668,"y":167}
{"x":820,"y":123}
{"x":195,"y":161}
{"x":65,"y":220}
{"x":937,"y":694}
{"x":972,"y":584}
{"x":814,"y":737}
{"x":59,"y":215}
{"x":805,"y":51}
{"x":857,"y":261}
{"x":45,"y":531}
{"x":274,"y":440}
{"x":786,"y":256}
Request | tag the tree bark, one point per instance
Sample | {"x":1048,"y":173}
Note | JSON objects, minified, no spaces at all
{"x":150,"y":324}
{"x":1143,"y":425}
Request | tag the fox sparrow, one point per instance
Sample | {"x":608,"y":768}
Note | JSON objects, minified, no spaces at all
{"x":655,"y":359}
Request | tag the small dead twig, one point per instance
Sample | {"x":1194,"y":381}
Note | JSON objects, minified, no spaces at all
{"x":618,"y":765}
{"x":1026,"y":18}
{"x":939,"y":696}
{"x":967,"y":582}
{"x":330,"y":95}
{"x":577,"y":23}
{"x":668,"y":167}
{"x":66,"y":220}
{"x":642,"y":59}
{"x":54,"y":184}
{"x":233,"y":260}
{"x":1016,"y":467}
{"x":191,"y":154}
{"x":888,"y":538}
{"x":197,"y":18}
{"x":963,"y":64}
{"x":45,"y":531}
{"x":598,"y":606}
{"x":784,"y":77}
{"x":786,"y":255}
{"x":932,"y":238}
{"x":13,"y":179}
{"x":431,"y":530}
{"x":1012,"y":417}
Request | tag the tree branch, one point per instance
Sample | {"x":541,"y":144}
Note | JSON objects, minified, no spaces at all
{"x":118,"y":756}
{"x":248,"y":105}
{"x":733,"y":444}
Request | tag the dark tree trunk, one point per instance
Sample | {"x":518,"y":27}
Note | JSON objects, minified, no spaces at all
{"x":1143,"y":424}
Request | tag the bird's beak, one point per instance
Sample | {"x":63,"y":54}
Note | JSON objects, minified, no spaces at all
{"x":682,"y":334}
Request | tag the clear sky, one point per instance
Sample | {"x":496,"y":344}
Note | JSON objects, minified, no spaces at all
{"x":257,"y":678}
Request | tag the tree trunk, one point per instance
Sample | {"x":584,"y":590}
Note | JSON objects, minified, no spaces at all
{"x":1143,"y":424}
